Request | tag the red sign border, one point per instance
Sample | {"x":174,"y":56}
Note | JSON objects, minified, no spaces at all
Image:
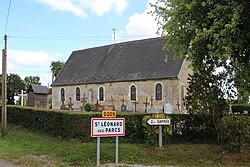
{"x":107,"y":135}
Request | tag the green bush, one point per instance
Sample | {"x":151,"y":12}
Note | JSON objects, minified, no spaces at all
{"x":68,"y":124}
{"x":77,"y":125}
{"x":239,"y":108}
{"x":235,"y":131}
{"x":87,"y":107}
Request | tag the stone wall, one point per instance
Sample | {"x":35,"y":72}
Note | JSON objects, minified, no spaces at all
{"x":171,"y":91}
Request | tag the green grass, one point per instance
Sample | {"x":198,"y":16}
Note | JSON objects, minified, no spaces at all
{"x":33,"y":149}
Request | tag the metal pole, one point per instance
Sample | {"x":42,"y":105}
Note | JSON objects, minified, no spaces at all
{"x":4,"y":94}
{"x":160,"y":136}
{"x":21,"y":97}
{"x":116,"y":150}
{"x":98,"y":151}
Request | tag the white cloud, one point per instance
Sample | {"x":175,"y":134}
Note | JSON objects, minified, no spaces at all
{"x":30,"y":58}
{"x":140,"y":25}
{"x":65,"y":5}
{"x":99,"y":7}
{"x":31,"y":63}
{"x":78,"y":7}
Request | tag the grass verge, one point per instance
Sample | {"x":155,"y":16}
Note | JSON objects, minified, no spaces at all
{"x":32,"y":149}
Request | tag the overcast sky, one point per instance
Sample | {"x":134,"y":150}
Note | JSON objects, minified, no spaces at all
{"x":41,"y":31}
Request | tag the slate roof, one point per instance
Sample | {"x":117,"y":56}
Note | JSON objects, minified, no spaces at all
{"x":128,"y":61}
{"x":38,"y":89}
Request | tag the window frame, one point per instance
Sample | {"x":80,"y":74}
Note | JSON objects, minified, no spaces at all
{"x":158,"y":91}
{"x":101,"y":94}
{"x":62,"y":94}
{"x":133,"y":93}
{"x":78,"y":94}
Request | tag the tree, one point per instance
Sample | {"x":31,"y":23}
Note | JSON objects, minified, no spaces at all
{"x":55,"y":67}
{"x":212,"y":34}
{"x":209,"y":28}
{"x":31,"y":80}
{"x":14,"y":86}
{"x":205,"y":97}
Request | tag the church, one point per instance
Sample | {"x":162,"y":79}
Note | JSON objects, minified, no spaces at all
{"x":130,"y":76}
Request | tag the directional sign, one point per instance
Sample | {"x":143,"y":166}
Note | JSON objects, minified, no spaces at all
{"x":104,"y":127}
{"x":159,"y":121}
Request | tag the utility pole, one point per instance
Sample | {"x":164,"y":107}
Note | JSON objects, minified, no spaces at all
{"x":4,"y":87}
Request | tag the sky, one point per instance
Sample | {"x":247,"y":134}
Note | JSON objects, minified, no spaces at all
{"x":42,"y":31}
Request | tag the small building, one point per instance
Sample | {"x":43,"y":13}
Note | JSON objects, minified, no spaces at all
{"x":38,"y":96}
{"x":131,"y":76}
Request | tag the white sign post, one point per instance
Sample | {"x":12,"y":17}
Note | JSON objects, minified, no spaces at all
{"x":107,"y":127}
{"x":159,"y":122}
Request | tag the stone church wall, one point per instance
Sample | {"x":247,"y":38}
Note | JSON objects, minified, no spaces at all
{"x":116,"y":91}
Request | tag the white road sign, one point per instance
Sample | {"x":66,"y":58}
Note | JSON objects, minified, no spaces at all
{"x":104,"y":127}
{"x":165,"y":121}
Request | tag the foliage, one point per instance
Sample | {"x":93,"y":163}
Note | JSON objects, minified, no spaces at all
{"x":205,"y":97}
{"x":87,"y":107}
{"x":14,"y":86}
{"x":68,"y":124}
{"x":240,"y":108}
{"x":31,"y":80}
{"x":217,"y":29}
{"x":76,"y":125}
{"x":56,"y":67}
{"x":235,"y":131}
{"x":195,"y":128}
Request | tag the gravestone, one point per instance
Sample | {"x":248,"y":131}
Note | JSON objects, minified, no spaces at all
{"x":168,"y":108}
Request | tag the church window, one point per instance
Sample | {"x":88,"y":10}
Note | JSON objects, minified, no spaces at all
{"x":133,"y":93}
{"x":78,"y":94}
{"x":62,"y":94}
{"x":101,"y":94}
{"x":158,"y":92}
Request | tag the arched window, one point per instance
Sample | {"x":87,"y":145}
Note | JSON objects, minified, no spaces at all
{"x":133,"y":93}
{"x":101,"y":94}
{"x":62,"y":94}
{"x":78,"y":94}
{"x":158,"y":92}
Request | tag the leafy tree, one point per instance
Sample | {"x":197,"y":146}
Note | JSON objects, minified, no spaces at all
{"x":215,"y":28}
{"x":55,"y":67}
{"x":31,"y":80}
{"x":14,"y":86}
{"x":205,"y":97}
{"x":211,"y":34}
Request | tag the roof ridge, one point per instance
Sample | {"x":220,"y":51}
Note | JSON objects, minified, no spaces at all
{"x":120,"y":43}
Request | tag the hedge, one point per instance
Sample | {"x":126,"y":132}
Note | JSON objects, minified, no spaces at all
{"x":76,"y":125}
{"x":239,"y":108}
{"x":67,"y":124}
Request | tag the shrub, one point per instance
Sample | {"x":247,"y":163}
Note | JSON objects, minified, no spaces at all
{"x":77,"y":125}
{"x":87,"y":107}
{"x":235,"y":131}
{"x":239,"y":108}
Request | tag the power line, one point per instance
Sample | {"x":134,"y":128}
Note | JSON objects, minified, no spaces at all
{"x":91,"y":38}
{"x":7,"y":20}
{"x":29,"y":71}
